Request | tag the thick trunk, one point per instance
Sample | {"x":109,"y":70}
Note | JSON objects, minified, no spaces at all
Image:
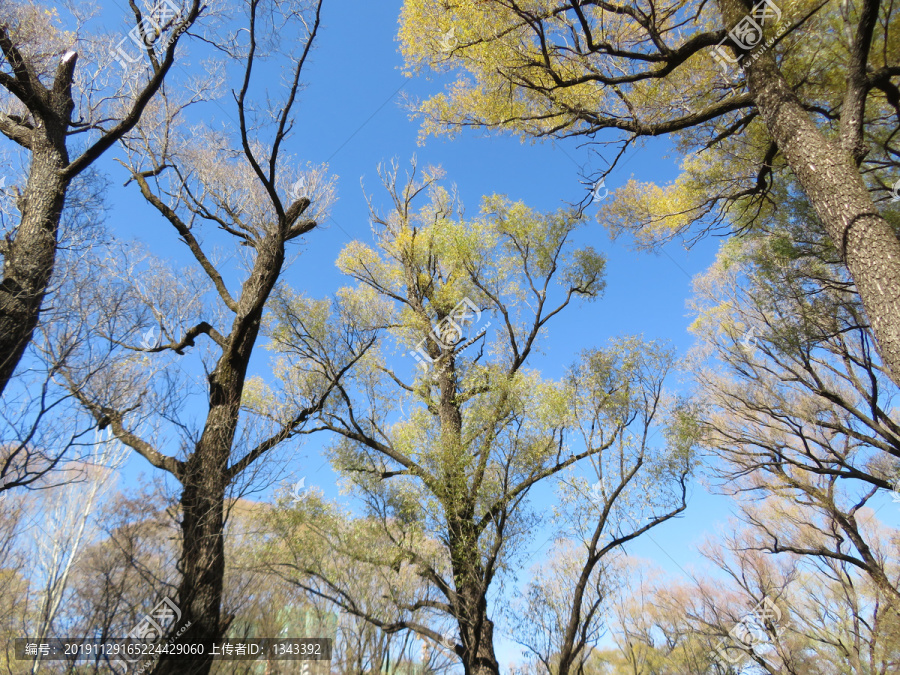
{"x":202,"y":563}
{"x":832,"y":183}
{"x":484,"y":661}
{"x":30,"y":256}
{"x":206,"y":477}
{"x":203,"y":571}
{"x":477,"y":634}
{"x":477,"y":631}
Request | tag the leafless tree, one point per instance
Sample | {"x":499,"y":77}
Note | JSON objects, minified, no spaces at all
{"x":752,"y":612}
{"x":65,"y":525}
{"x":796,"y":401}
{"x":40,"y":425}
{"x":14,"y":573}
{"x":128,"y":566}
{"x":200,"y":184}
{"x":48,"y":100}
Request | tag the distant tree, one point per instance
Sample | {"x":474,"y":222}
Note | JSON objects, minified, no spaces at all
{"x":795,"y":402}
{"x":122,"y":574}
{"x":14,"y":579}
{"x":65,"y":522}
{"x":638,"y":487}
{"x":752,"y":613}
{"x":820,"y":112}
{"x":649,"y":639}
{"x":263,"y":604}
{"x":48,"y":100}
{"x":313,"y":541}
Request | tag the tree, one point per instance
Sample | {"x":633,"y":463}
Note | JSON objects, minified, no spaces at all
{"x":820,"y":112}
{"x":540,"y":619}
{"x":121,"y":575}
{"x":200,"y":184}
{"x":52,"y":101}
{"x":795,"y":403}
{"x":40,"y":425}
{"x":638,"y":488}
{"x":751,"y":613}
{"x":445,"y":461}
{"x":346,"y":567}
{"x":649,"y":637}
{"x":67,"y":511}
{"x":14,"y":577}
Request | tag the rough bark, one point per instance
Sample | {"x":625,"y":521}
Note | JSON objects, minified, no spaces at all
{"x":476,"y":629}
{"x":202,"y":562}
{"x":207,"y":473}
{"x":831,"y":181}
{"x":478,"y":640}
{"x":30,"y":256}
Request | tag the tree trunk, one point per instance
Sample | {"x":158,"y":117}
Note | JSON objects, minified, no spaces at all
{"x":206,"y":476}
{"x":476,"y":630}
{"x":203,"y":571}
{"x":29,"y":258}
{"x":832,"y":183}
{"x":478,"y":636}
{"x":202,"y":562}
{"x":572,"y":643}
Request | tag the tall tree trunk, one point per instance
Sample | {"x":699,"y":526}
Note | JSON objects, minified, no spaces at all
{"x":206,"y":473}
{"x":202,"y":568}
{"x":470,"y":604}
{"x":572,"y":642}
{"x":30,"y":256}
{"x":477,"y":633}
{"x":202,"y":563}
{"x":832,"y":183}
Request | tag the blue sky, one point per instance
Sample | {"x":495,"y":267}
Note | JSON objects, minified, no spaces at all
{"x":349,"y":116}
